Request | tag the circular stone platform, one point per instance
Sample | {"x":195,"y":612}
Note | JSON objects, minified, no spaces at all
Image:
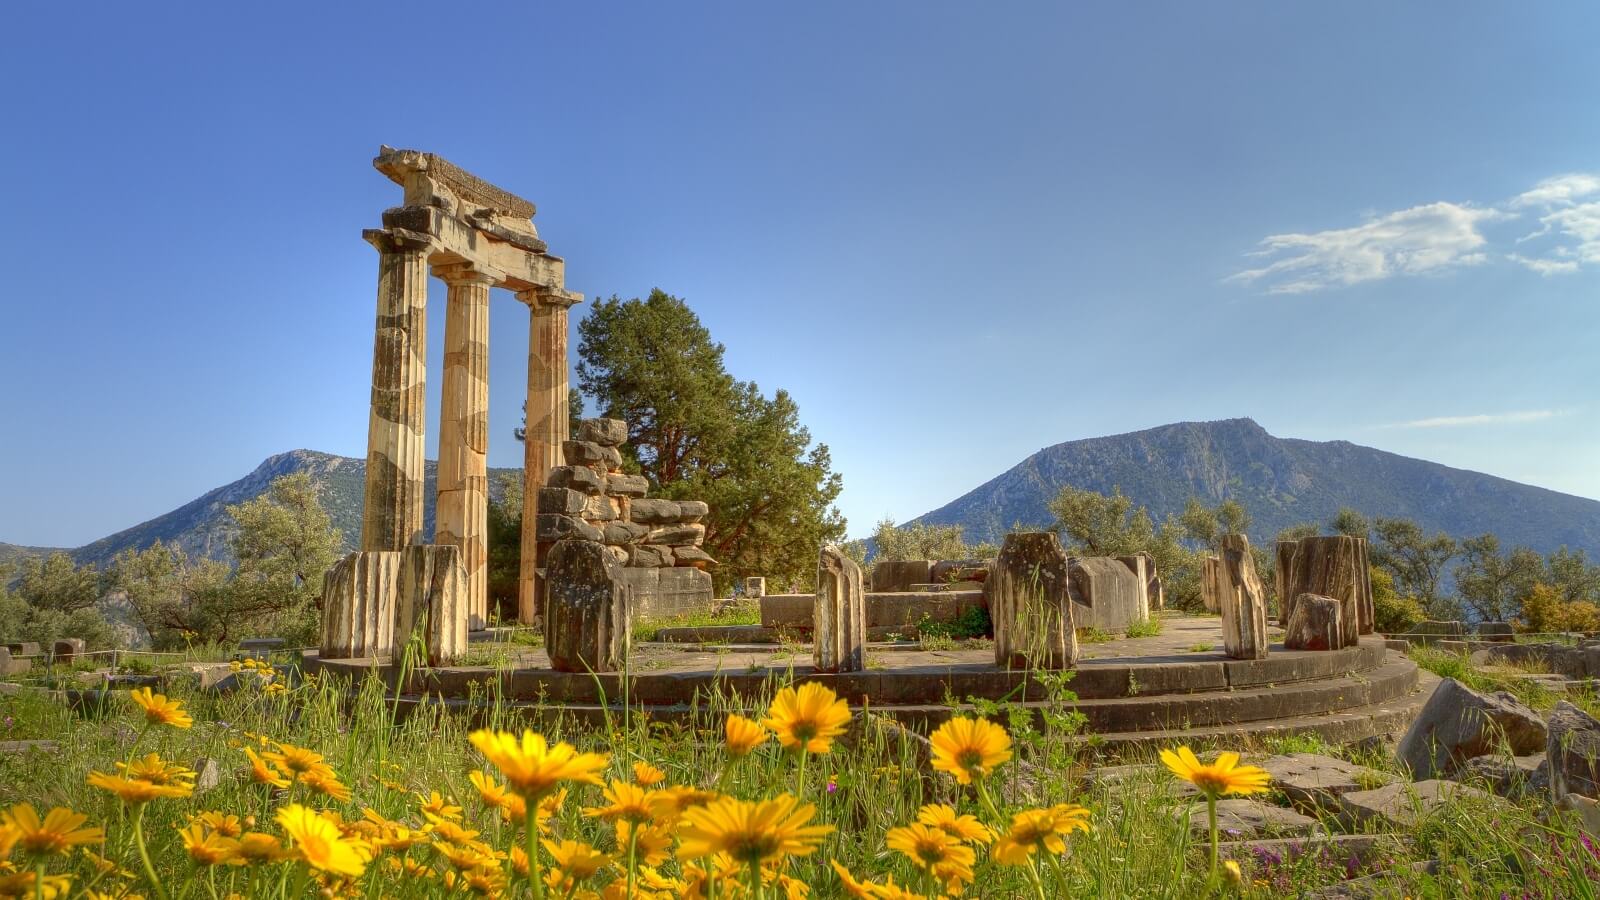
{"x":1131,"y":690}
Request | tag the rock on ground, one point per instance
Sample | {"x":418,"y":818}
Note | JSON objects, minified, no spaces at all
{"x":1573,"y":747}
{"x":1243,"y":817}
{"x":1404,"y":806}
{"x":1458,"y":723}
{"x":1314,"y":782}
{"x":1512,"y":776}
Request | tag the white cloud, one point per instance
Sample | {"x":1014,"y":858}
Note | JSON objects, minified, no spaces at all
{"x":1558,"y":190}
{"x":1570,"y":220}
{"x":1545,"y":266}
{"x":1430,"y":238}
{"x":1509,"y":418}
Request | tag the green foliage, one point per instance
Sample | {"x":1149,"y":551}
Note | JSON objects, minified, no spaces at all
{"x":1544,"y":610}
{"x":285,"y":543}
{"x":1350,"y":523}
{"x":504,"y":542}
{"x":920,"y":540}
{"x":172,"y":594}
{"x":1415,"y":560}
{"x":54,"y":598}
{"x":1145,"y":628}
{"x":1392,"y":613}
{"x":697,"y":433}
{"x":1490,"y":582}
{"x":972,"y":623}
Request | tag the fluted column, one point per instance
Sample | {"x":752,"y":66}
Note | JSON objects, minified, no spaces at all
{"x":391,"y":515}
{"x":547,"y":426}
{"x":462,"y":514}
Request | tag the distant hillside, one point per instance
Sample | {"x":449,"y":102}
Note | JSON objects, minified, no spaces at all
{"x":201,"y":527}
{"x":1282,"y":481}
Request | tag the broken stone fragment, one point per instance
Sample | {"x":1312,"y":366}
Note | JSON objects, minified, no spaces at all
{"x":690,"y":511}
{"x":676,"y":535}
{"x":692,"y":556}
{"x":605,"y":432}
{"x":600,"y":508}
{"x":1243,"y":817}
{"x":562,"y":501}
{"x":578,"y":478}
{"x":1316,"y":623}
{"x":618,"y":533}
{"x":1458,"y":723}
{"x":1403,"y":806}
{"x":1573,"y":747}
{"x":554,"y":528}
{"x":651,"y":557}
{"x":655,"y":512}
{"x":588,"y":453}
{"x":627,"y":485}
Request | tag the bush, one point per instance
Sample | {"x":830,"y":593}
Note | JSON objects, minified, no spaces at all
{"x":1392,"y":613}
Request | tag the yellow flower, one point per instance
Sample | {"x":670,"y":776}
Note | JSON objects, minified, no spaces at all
{"x":257,"y":848}
{"x":493,"y":793}
{"x":222,"y":823}
{"x":933,"y":851}
{"x":294,"y":759}
{"x":807,"y":719}
{"x":1035,"y":828}
{"x":646,"y":775}
{"x":158,"y":710}
{"x":683,"y":796}
{"x":532,"y":766}
{"x":208,"y":848}
{"x":967,"y":747}
{"x":264,"y":772}
{"x":1225,"y":776}
{"x":322,"y":781}
{"x":58,"y":833}
{"x":651,"y":842}
{"x":134,"y":791}
{"x":320,"y":843}
{"x":575,"y":863}
{"x":435,"y":806}
{"x":963,"y":828}
{"x":630,"y":802}
{"x":1232,"y":872}
{"x":751,"y":832}
{"x":744,"y":735}
{"x":852,"y":888}
{"x":24,"y":884}
{"x":156,"y":771}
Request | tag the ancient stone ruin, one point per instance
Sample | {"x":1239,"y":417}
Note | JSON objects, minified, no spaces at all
{"x":657,"y":541}
{"x":474,"y":236}
{"x":1107,"y":593}
{"x":586,"y":623}
{"x":1242,"y":598}
{"x":839,"y":614}
{"x":1031,"y":604}
{"x":1333,"y":566}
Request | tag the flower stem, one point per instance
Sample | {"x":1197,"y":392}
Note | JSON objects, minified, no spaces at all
{"x":802,"y":782}
{"x":144,"y":854}
{"x":534,"y":874}
{"x":633,"y":846}
{"x":1211,"y":818}
{"x":1033,"y":875}
{"x":755,"y":867}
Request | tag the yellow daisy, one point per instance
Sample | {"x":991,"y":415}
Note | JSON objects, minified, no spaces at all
{"x":320,"y":843}
{"x":1225,"y":776}
{"x":294,"y":760}
{"x":322,"y":781}
{"x":26,"y":884}
{"x":933,"y":851}
{"x":646,"y":775}
{"x":264,"y":772}
{"x":1033,"y":829}
{"x":966,"y":829}
{"x":493,"y":794}
{"x":532,"y":766}
{"x":744,"y":735}
{"x":209,"y":848}
{"x":434,"y":805}
{"x":258,"y":848}
{"x":158,"y":710}
{"x":135,"y":792}
{"x":807,"y":719}
{"x":751,"y":832}
{"x":57,"y":833}
{"x":156,"y":771}
{"x":852,"y":888}
{"x":631,"y":802}
{"x":575,"y":863}
{"x":968,"y":748}
{"x":222,"y":823}
{"x":651,"y":842}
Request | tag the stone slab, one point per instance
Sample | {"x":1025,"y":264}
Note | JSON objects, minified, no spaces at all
{"x":1315,"y":782}
{"x":1406,"y":805}
{"x":1244,"y":817}
{"x":1106,"y":595}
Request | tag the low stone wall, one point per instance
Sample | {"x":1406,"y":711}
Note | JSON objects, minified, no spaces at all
{"x":1576,"y":663}
{"x":892,"y":609}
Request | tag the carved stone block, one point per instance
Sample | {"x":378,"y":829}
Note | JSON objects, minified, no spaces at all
{"x":1243,"y":600}
{"x":1031,"y":604}
{"x":839,"y":614}
{"x":587,"y":607}
{"x":431,"y":603}
{"x":358,"y":605}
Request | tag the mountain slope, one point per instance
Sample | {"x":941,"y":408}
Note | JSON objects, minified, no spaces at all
{"x":1281,"y":481}
{"x":201,"y":527}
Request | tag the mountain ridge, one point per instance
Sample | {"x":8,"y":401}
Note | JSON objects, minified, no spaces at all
{"x":1281,"y":481}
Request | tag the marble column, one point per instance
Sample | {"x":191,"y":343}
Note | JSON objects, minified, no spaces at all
{"x":462,"y":514}
{"x":546,"y":412}
{"x":391,"y":515}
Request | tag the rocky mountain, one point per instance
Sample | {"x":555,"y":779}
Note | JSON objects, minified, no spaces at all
{"x":1281,"y":481}
{"x":201,"y":527}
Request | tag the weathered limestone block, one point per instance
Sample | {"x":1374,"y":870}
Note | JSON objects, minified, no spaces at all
{"x":1316,"y":624}
{"x":754,"y":587}
{"x":587,"y":608}
{"x":66,"y":650}
{"x":1573,"y":748}
{"x":605,"y":432}
{"x":1244,"y":817}
{"x":588,"y":453}
{"x":692,"y":556}
{"x":431,"y":603}
{"x":627,"y":485}
{"x":601,"y":509}
{"x":1458,"y":723}
{"x":691,"y":511}
{"x":9,"y":666}
{"x":1513,"y":777}
{"x":1030,"y":603}
{"x":901,"y":574}
{"x":1497,"y":632}
{"x":1364,"y":587}
{"x":577,"y":478}
{"x":620,"y":533}
{"x":562,"y":501}
{"x":1315,"y":783}
{"x":675,"y":535}
{"x":358,"y":605}
{"x":1209,"y":586}
{"x":552,"y":528}
{"x":655,"y":512}
{"x":660,"y":593}
{"x":24,"y":648}
{"x":1330,"y":567}
{"x":1105,"y":595}
{"x":1283,"y":578}
{"x":1243,"y":600}
{"x":1404,"y":806}
{"x":959,"y":569}
{"x":651,"y":557}
{"x":1140,"y":564}
{"x":839,"y":614}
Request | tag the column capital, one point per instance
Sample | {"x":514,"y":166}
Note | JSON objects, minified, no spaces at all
{"x":546,"y":297}
{"x":395,"y":240}
{"x":466,"y":273}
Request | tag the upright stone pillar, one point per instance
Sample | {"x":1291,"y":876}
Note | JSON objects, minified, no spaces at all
{"x":358,"y":605}
{"x":1329,"y":567}
{"x":1283,"y":579}
{"x":462,"y":515}
{"x":586,"y":617}
{"x":1243,"y":600}
{"x":547,"y":427}
{"x":1031,"y":604}
{"x":839,"y":614}
{"x":1368,"y":613}
{"x":391,"y":515}
{"x":1210,"y":580}
{"x":431,"y":603}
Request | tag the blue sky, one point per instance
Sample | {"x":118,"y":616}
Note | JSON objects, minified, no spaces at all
{"x":957,"y":233}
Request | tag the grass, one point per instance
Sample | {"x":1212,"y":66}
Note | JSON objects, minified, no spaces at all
{"x":1456,"y":665}
{"x":1202,"y":647}
{"x":1093,"y":635}
{"x":737,"y":614}
{"x":1139,"y":848}
{"x":1145,"y":628}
